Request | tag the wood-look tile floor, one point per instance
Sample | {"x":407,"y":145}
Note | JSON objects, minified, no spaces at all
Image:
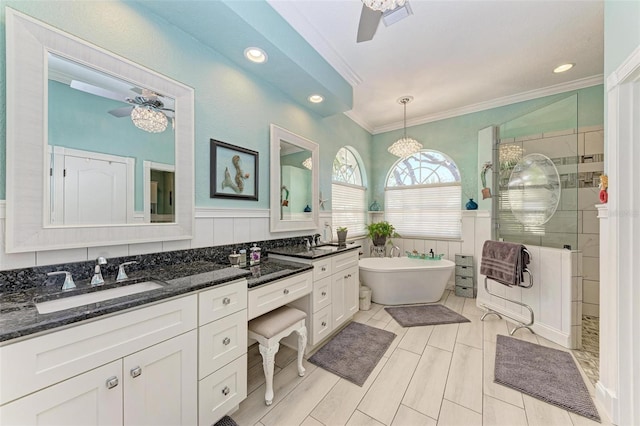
{"x":432,"y":375}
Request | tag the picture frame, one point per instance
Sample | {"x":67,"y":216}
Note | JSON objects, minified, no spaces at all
{"x":233,"y":172}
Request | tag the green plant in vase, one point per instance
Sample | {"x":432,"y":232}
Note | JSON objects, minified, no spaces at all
{"x":379,"y":232}
{"x":342,"y":235}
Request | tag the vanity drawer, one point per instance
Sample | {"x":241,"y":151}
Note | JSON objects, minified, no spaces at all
{"x":222,"y":300}
{"x":321,"y":268}
{"x":464,"y":271}
{"x":344,"y":261}
{"x":221,"y":342}
{"x":273,"y":295}
{"x":322,"y":325}
{"x":219,"y":392}
{"x":321,"y":294}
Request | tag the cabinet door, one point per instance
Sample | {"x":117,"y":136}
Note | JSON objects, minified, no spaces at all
{"x":352,"y":291}
{"x":338,"y":291}
{"x":161,"y":383}
{"x":92,"y":398}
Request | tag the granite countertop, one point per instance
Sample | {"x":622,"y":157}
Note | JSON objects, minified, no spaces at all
{"x":317,"y":252}
{"x":19,"y":316}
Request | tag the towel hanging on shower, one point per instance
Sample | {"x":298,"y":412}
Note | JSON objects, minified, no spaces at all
{"x":504,"y":262}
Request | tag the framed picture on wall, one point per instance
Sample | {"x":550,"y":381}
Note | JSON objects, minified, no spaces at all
{"x":234,"y":172}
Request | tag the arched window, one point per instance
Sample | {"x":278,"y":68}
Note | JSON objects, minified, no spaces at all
{"x":348,"y":192}
{"x":422,"y":196}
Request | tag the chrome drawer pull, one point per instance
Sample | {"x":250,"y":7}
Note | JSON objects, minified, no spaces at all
{"x":286,"y":291}
{"x":324,"y":293}
{"x":112,"y":382}
{"x":226,"y":341}
{"x":324,"y":323}
{"x":226,"y":391}
{"x":226,"y":301}
{"x":324,"y":268}
{"x":135,"y":372}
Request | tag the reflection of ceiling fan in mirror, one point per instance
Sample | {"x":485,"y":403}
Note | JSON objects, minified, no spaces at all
{"x":389,"y":11}
{"x":147,"y":110}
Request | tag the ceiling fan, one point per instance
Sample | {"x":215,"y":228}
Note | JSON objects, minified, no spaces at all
{"x":389,"y":11}
{"x":146,"y":98}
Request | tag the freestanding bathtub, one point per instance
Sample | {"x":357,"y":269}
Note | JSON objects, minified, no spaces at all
{"x":401,"y":280}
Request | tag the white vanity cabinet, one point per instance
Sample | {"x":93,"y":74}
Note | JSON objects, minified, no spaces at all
{"x":335,"y":296}
{"x":138,"y":368}
{"x":222,"y":353}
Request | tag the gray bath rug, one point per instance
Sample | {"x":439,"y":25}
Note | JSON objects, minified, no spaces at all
{"x":226,"y":421}
{"x":354,"y":352}
{"x":417,"y":315}
{"x":548,"y":374}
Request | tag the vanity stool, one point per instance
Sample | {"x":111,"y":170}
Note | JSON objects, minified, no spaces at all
{"x":268,"y":330}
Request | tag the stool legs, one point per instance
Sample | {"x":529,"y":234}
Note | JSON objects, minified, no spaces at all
{"x":302,"y":344}
{"x":268,"y":360}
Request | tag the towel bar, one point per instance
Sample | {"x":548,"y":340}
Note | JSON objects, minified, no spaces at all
{"x":500,"y":315}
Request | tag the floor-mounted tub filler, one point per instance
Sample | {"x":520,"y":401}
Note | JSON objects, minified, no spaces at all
{"x":401,"y":280}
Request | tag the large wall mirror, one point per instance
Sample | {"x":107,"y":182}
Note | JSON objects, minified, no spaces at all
{"x":100,"y":152}
{"x":294,"y":182}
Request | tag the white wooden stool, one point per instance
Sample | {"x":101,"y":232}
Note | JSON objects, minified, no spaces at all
{"x":268,"y":330}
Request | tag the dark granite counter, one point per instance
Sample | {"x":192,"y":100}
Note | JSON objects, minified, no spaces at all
{"x":324,"y":250}
{"x":19,"y":317}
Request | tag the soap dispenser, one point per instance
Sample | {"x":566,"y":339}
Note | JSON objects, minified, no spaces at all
{"x":255,"y":255}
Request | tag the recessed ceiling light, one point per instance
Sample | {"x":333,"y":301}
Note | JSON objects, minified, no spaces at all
{"x":563,"y":68}
{"x":255,"y":54}
{"x":316,"y":99}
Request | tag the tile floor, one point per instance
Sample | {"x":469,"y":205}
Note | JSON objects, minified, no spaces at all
{"x":431,"y":375}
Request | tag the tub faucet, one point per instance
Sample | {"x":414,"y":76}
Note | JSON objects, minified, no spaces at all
{"x":394,"y":248}
{"x":68,"y":280}
{"x":97,"y":273}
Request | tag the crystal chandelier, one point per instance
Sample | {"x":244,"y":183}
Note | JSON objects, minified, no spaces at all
{"x":149,"y":120}
{"x":509,"y":155}
{"x":405,"y":146}
{"x":307,"y":163}
{"x":383,"y":5}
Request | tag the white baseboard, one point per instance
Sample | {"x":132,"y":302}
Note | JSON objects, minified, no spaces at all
{"x":608,"y":400}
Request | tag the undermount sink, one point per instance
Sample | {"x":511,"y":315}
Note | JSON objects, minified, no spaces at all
{"x":47,"y":306}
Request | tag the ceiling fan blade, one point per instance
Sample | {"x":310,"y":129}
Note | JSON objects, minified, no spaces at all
{"x":95,"y":90}
{"x":369,"y":20}
{"x":121,"y":112}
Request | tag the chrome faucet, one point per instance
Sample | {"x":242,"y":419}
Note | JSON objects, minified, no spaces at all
{"x":316,"y":239}
{"x":68,"y":279}
{"x":307,"y":243}
{"x":97,"y":273}
{"x":394,"y":248}
{"x":122,"y":275}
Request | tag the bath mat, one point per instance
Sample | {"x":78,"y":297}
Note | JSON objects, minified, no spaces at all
{"x":417,"y":315}
{"x":548,"y":374}
{"x":354,"y":352}
{"x":226,"y":421}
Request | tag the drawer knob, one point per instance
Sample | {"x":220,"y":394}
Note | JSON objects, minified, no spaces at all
{"x":346,"y":276}
{"x":324,"y":268}
{"x":226,"y":390}
{"x":226,"y":341}
{"x":324,"y":293}
{"x":112,"y":382}
{"x":324,"y":323}
{"x":135,"y":372}
{"x":226,"y":301}
{"x":285,"y":291}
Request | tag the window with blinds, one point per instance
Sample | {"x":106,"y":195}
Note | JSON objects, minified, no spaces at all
{"x":349,"y":208}
{"x":422,"y":196}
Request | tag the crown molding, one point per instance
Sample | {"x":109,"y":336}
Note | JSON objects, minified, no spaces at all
{"x":360,"y":121}
{"x":494,"y":103}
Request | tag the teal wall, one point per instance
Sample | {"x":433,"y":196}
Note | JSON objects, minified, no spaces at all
{"x":621,"y":32}
{"x":231,"y":104}
{"x":458,"y":136}
{"x":81,"y":121}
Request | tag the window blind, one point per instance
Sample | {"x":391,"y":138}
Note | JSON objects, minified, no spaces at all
{"x":425,"y":211}
{"x":349,"y":208}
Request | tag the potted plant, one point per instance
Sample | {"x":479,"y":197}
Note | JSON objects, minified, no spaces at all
{"x":342,"y":235}
{"x":380,"y":231}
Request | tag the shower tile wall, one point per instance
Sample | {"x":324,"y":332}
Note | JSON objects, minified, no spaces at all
{"x":579,"y":196}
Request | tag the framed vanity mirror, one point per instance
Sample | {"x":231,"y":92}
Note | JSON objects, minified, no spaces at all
{"x":294,"y":182}
{"x":100,"y":152}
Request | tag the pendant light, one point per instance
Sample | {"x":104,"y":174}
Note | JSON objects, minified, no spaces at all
{"x":405,"y":146}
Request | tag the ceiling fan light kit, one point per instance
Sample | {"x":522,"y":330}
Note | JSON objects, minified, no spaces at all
{"x":149,"y":120}
{"x":405,"y":146}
